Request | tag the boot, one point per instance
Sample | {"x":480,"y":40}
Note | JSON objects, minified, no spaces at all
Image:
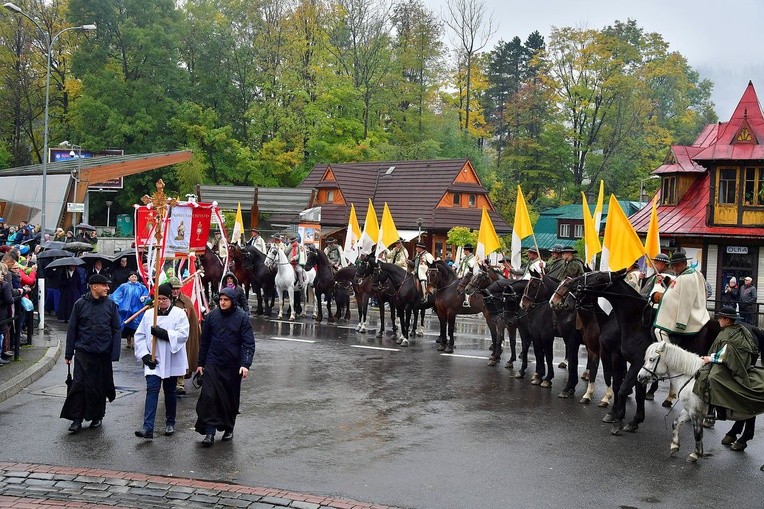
{"x":208,"y":440}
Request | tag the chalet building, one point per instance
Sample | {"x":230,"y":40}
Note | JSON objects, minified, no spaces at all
{"x":424,"y":197}
{"x":711,"y":200}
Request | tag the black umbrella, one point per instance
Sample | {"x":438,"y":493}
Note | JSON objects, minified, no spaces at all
{"x":68,"y":378}
{"x":90,"y":258}
{"x":65,"y":262}
{"x":54,"y":253}
{"x":53,"y":244}
{"x":79,"y":246}
{"x":85,"y":226}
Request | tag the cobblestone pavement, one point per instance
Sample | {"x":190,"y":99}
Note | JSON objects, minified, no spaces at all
{"x":33,"y":486}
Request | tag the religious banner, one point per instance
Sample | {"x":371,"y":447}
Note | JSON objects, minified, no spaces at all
{"x":145,"y":219}
{"x":187,"y":227}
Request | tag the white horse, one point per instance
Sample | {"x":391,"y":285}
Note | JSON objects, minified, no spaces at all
{"x":666,"y":361}
{"x":285,"y":278}
{"x":307,"y":291}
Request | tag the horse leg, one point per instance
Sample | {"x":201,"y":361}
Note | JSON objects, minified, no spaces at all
{"x":592,"y":365}
{"x":619,"y":399}
{"x":684,"y":416}
{"x":420,"y":329}
{"x":279,"y":302}
{"x":381,"y":307}
{"x":405,"y":319}
{"x":442,"y":342}
{"x":574,"y":343}
{"x":669,"y":401}
{"x":450,"y":332}
{"x":329,"y":316}
{"x":512,"y":339}
{"x":525,"y":345}
{"x":639,"y":395}
{"x":549,"y":359}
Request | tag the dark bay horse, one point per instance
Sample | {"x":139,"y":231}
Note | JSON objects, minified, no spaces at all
{"x":496,"y":317}
{"x":249,"y":268}
{"x":213,"y":272}
{"x":384,"y":293}
{"x":343,"y":290}
{"x":406,"y":296}
{"x":323,"y":284}
{"x":627,"y":353}
{"x":449,"y":301}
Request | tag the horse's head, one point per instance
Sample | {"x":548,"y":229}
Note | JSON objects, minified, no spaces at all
{"x":439,"y":274}
{"x":534,"y":292}
{"x":272,"y":259}
{"x":311,"y":256}
{"x":366,"y":265}
{"x":560,"y":300}
{"x":655,"y":367}
{"x":479,"y":281}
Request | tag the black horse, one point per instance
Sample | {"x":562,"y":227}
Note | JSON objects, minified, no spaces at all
{"x":406,"y":296}
{"x":343,"y":290}
{"x":383,"y":293}
{"x":249,"y":267}
{"x":495,"y":290}
{"x":323,"y":285}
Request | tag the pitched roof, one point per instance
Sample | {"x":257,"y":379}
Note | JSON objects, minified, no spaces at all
{"x":269,"y":199}
{"x":412,"y":190}
{"x":688,"y":217}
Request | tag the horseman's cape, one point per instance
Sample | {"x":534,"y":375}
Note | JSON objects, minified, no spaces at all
{"x":733,"y":383}
{"x":683,"y":306}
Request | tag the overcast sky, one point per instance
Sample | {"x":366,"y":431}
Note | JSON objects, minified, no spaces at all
{"x":721,"y":40}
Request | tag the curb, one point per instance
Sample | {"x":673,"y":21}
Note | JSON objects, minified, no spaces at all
{"x":31,"y":374}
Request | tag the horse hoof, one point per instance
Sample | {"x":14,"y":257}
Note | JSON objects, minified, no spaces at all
{"x":535,"y":381}
{"x":608,"y":419}
{"x":631,"y":428}
{"x":666,"y":404}
{"x":603,"y":404}
{"x":509,"y":365}
{"x":616,"y":431}
{"x":420,"y":332}
{"x":585,"y":375}
{"x":449,"y":349}
{"x":492,"y":362}
{"x":405,"y":342}
{"x":399,"y":340}
{"x":649,"y":397}
{"x":563,"y":365}
{"x":692,"y":458}
{"x":535,"y":376}
{"x":279,"y":317}
{"x":585,"y":400}
{"x":564,"y":395}
{"x":519,"y":374}
{"x":291,"y":317}
{"x":441,"y":347}
{"x":546,"y":384}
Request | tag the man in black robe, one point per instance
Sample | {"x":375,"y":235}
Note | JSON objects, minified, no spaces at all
{"x":94,"y":340}
{"x":225,"y":355}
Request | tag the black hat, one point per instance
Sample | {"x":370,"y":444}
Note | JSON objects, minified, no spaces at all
{"x":568,"y":249}
{"x":420,"y":244}
{"x":165,"y":289}
{"x":557,"y":248}
{"x":661,"y":257}
{"x":678,"y":257}
{"x":98,"y":279}
{"x":728,"y":312}
{"x":331,"y":240}
{"x":468,"y":246}
{"x":533,"y":250}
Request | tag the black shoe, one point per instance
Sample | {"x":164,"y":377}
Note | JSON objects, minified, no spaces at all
{"x":95,"y":423}
{"x":738,"y":445}
{"x":169,"y":430}
{"x":180,"y":391}
{"x":208,"y":440}
{"x":144,"y":433}
{"x":75,"y":427}
{"x":227,"y":436}
{"x":728,"y":440}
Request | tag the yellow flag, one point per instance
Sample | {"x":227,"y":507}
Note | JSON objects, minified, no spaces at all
{"x":621,"y":246}
{"x":487,"y":241}
{"x":353,"y":223}
{"x":370,"y":232}
{"x":598,"y":209}
{"x":353,"y":237}
{"x":388,"y":233}
{"x":238,"y":227}
{"x":521,"y":229}
{"x":591,"y":236}
{"x":653,"y":239}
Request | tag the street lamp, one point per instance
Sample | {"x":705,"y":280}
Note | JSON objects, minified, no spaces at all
{"x":108,"y":212}
{"x":49,"y":41}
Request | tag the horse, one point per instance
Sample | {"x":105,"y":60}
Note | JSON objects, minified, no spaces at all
{"x":308,"y":290}
{"x":634,"y":315}
{"x":276,"y":260}
{"x":449,"y":301}
{"x":595,"y":323}
{"x":323,"y":284}
{"x":343,"y":290}
{"x":366,"y":288}
{"x":663,"y":361}
{"x":249,"y":266}
{"x":213,"y":272}
{"x":494,"y":296}
{"x":406,"y":297}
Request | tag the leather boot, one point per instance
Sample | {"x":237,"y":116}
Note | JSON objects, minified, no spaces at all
{"x":208,"y":440}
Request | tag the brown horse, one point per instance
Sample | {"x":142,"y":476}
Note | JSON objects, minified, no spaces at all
{"x":343,"y":290}
{"x":214,"y":268}
{"x":249,"y":268}
{"x":449,"y":301}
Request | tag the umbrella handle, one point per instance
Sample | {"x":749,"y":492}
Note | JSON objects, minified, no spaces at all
{"x":69,"y":369}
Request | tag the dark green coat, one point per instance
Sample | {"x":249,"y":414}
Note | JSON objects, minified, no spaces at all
{"x":554,"y":268}
{"x":734,"y":383}
{"x":572,"y":268}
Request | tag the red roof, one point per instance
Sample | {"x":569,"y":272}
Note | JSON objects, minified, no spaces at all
{"x":680,"y":161}
{"x":688,"y":217}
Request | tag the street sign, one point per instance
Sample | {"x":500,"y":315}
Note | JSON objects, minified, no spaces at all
{"x":77,"y":208}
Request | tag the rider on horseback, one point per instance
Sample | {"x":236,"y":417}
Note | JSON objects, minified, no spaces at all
{"x":555,"y":263}
{"x":422,"y":261}
{"x":297,"y":258}
{"x":467,"y":267}
{"x":256,"y":240}
{"x":682,"y":308}
{"x":332,"y":251}
{"x":654,"y":286}
{"x":399,"y":256}
{"x":572,"y":266}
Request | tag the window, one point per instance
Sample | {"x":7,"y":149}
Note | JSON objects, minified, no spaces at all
{"x":564,"y":230}
{"x":727,"y":186}
{"x":457,"y":198}
{"x":753,"y":194}
{"x":668,"y":191}
{"x":578,"y":231}
{"x":472,"y":200}
{"x":330,"y":196}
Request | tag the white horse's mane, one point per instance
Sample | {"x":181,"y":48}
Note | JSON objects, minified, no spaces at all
{"x":677,"y":359}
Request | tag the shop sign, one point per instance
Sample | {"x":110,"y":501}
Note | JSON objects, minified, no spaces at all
{"x":743,"y":250}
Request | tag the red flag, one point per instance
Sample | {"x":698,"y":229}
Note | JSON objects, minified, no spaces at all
{"x":193,"y":289}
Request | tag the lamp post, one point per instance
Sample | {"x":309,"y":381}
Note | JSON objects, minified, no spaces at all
{"x":108,"y":212}
{"x":76,"y":175}
{"x":49,"y":42}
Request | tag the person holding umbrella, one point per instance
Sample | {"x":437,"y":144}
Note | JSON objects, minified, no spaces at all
{"x":121,"y":272}
{"x":72,"y":285}
{"x":92,"y":340}
{"x":130,"y":298}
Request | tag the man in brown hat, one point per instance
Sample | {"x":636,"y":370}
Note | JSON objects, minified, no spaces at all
{"x":332,"y":251}
{"x":555,"y":263}
{"x":683,"y":306}
{"x":655,"y":285}
{"x":399,"y":256}
{"x":256,"y":241}
{"x":422,"y":261}
{"x":571,"y":265}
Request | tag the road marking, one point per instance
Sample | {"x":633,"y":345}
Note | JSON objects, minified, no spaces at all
{"x":288,"y":321}
{"x":278,"y":338}
{"x":464,"y":356}
{"x":376,"y":348}
{"x":346,"y":327}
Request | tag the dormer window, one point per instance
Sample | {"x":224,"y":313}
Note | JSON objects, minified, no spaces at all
{"x":668,"y":191}
{"x":754,"y":187}
{"x":728,"y":186}
{"x":472,"y":200}
{"x":457,"y":199}
{"x":330,"y":196}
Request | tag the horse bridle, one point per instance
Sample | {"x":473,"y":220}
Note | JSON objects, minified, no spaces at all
{"x":434,"y":270}
{"x":526,"y":296}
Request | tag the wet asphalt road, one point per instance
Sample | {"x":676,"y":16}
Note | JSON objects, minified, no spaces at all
{"x":408,"y":427}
